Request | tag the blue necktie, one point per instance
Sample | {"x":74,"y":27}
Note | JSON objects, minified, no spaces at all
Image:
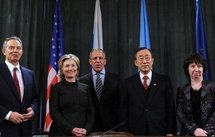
{"x":98,"y":85}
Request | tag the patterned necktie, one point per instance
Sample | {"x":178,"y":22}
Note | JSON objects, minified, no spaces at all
{"x":145,"y":78}
{"x":16,"y":82}
{"x":98,"y":85}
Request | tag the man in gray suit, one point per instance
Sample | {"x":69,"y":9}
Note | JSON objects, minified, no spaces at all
{"x":147,"y":103}
{"x":106,"y":102}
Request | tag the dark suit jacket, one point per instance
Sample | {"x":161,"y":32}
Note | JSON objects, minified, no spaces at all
{"x":184,"y":109}
{"x":106,"y":110}
{"x":9,"y":101}
{"x":157,"y":110}
{"x":70,"y":106}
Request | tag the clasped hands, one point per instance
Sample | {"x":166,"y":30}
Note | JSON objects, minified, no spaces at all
{"x":79,"y":132}
{"x":17,"y":118}
{"x":200,"y":132}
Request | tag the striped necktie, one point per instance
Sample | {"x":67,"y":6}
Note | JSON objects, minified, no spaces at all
{"x":145,"y":78}
{"x":98,"y":85}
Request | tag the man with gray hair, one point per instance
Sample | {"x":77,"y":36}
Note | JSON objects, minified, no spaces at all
{"x":18,"y":96}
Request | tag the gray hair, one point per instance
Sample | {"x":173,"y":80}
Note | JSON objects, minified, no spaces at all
{"x":97,"y":49}
{"x":11,"y":38}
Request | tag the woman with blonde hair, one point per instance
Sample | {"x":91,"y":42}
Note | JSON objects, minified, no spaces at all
{"x":71,"y":108}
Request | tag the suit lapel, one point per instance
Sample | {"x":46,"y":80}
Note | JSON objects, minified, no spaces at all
{"x":204,"y":90}
{"x":153,"y":86}
{"x":25,"y":79}
{"x":137,"y":87}
{"x":91,"y":84}
{"x":106,"y":81}
{"x":9,"y":80}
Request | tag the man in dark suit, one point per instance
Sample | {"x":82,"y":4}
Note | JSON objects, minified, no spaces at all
{"x":18,"y":95}
{"x":147,"y":103}
{"x":106,"y":103}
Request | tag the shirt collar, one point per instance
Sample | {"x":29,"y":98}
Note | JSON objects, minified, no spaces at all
{"x":101,"y":72}
{"x":149,"y":75}
{"x":11,"y":66}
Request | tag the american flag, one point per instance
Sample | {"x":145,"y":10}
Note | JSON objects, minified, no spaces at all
{"x":97,"y":28}
{"x":57,"y":48}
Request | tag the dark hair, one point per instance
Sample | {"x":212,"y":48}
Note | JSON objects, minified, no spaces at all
{"x":141,"y":48}
{"x":194,"y":58}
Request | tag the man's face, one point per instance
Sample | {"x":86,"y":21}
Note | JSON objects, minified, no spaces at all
{"x":13,"y":51}
{"x":97,"y":60}
{"x":144,"y":61}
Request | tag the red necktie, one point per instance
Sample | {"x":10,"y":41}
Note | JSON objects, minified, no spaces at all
{"x":145,"y":78}
{"x":15,"y":79}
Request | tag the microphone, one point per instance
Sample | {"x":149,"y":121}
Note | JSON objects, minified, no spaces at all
{"x":118,"y":125}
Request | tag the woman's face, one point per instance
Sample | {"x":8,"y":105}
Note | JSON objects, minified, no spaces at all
{"x":69,"y":69}
{"x":195,"y":70}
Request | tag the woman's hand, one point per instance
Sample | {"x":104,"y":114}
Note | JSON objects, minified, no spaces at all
{"x":79,"y":132}
{"x":200,"y":132}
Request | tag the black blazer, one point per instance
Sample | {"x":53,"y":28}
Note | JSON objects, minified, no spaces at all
{"x":9,"y":101}
{"x":184,"y":109}
{"x":157,"y":110}
{"x":107,"y":109}
{"x":70,"y":106}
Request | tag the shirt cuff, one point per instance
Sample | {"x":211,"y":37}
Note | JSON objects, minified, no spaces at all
{"x":8,"y":115}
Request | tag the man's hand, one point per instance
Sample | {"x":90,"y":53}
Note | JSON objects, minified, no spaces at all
{"x":30,"y":113}
{"x":16,"y":118}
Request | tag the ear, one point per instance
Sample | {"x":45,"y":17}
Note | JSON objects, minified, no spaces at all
{"x":152,"y":61}
{"x":90,"y":62}
{"x":105,"y":61}
{"x":135,"y":62}
{"x":3,"y":51}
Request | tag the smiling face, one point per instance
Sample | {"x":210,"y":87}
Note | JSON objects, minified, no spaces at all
{"x":195,"y":71}
{"x":12,"y":51}
{"x":69,"y":69}
{"x":144,"y":61}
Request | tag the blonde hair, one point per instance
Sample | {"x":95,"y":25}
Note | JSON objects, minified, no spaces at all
{"x":61,"y":61}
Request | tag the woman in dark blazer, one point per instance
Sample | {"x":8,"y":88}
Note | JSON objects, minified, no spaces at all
{"x":71,"y":108}
{"x":196,"y":100}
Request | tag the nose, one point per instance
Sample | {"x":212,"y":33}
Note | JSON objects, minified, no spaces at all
{"x":196,"y":68}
